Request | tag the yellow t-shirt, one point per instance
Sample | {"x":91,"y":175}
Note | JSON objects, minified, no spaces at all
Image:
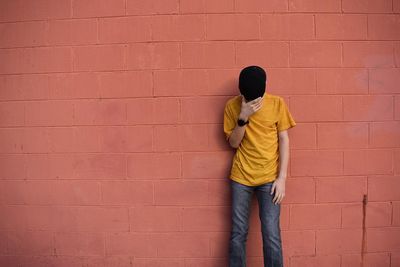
{"x":256,"y":160}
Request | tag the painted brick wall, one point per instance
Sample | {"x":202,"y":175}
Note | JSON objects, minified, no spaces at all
{"x":112,"y":151}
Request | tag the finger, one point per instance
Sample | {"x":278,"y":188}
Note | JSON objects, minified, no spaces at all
{"x":280,"y":201}
{"x":255,"y":100}
{"x":272,"y":189}
{"x":276,"y":197}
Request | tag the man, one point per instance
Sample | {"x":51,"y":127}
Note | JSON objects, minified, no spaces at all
{"x":256,"y":124}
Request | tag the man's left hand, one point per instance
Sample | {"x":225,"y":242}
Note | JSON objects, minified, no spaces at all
{"x":278,"y":187}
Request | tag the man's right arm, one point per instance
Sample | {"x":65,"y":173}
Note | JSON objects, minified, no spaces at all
{"x":237,"y":134}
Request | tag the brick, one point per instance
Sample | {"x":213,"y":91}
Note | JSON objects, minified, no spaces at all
{"x":396,"y":213}
{"x":99,"y":58}
{"x":78,"y":218}
{"x":314,"y":6}
{"x":97,"y":166}
{"x":342,"y":81}
{"x":23,"y":140}
{"x":154,"y":165}
{"x":143,"y":262}
{"x":155,"y":218}
{"x":210,"y":54}
{"x":83,"y":244}
{"x":315,"y":54}
{"x":206,"y":164}
{"x":378,"y":214}
{"x":320,"y":216}
{"x":384,"y":81}
{"x":118,"y":138}
{"x":72,"y":32}
{"x":160,"y":110}
{"x":151,"y":7}
{"x":219,"y":191}
{"x":383,"y":188}
{"x":137,"y":244}
{"x":369,"y":6}
{"x":397,"y":107}
{"x":206,"y":6}
{"x":119,"y":84}
{"x":167,"y":138}
{"x":176,"y":82}
{"x":396,"y":6}
{"x":316,"y":261}
{"x":24,"y":86}
{"x":12,"y":166}
{"x":368,"y":54}
{"x":82,"y":138}
{"x":395,"y":258}
{"x":372,"y":161}
{"x":338,"y":241}
{"x":383,"y":27}
{"x":298,"y":242}
{"x":232,"y":26}
{"x":181,"y":193}
{"x":127,"y":192}
{"x":383,"y":239}
{"x":316,"y":108}
{"x":342,"y":135}
{"x":396,"y":164}
{"x":304,"y":136}
{"x":291,"y":81}
{"x":100,"y":112}
{"x":300,"y":190}
{"x":351,"y":260}
{"x":73,"y":85}
{"x":12,"y":114}
{"x":341,"y":27}
{"x":49,"y":113}
{"x":15,"y":219}
{"x":272,"y":54}
{"x":35,"y":60}
{"x":368,"y":108}
{"x":384,"y":134}
{"x":50,"y":166}
{"x":202,"y":137}
{"x":329,"y":163}
{"x":178,"y":27}
{"x":98,"y":8}
{"x":205,"y":218}
{"x":51,"y":192}
{"x":377,"y":259}
{"x":18,"y":10}
{"x":125,"y":29}
{"x":179,"y":245}
{"x":397,"y":53}
{"x":352,"y":215}
{"x":163,"y":55}
{"x":341,"y":189}
{"x":62,"y":139}
{"x":202,"y":109}
{"x":21,"y":34}
{"x":261,"y":6}
{"x":30,"y":242}
{"x":287,"y":27}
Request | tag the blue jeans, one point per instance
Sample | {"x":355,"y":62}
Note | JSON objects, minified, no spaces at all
{"x":270,"y":228}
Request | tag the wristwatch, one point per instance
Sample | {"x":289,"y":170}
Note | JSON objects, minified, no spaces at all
{"x":241,"y":122}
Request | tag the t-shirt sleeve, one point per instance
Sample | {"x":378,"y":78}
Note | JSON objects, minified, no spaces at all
{"x":229,"y":121}
{"x":285,"y":120}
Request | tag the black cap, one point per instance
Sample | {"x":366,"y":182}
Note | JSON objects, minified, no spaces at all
{"x":252,"y":82}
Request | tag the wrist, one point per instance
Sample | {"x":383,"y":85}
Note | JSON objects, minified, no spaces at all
{"x":243,"y":117}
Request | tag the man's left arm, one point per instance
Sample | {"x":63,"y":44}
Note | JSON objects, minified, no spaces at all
{"x":278,"y":186}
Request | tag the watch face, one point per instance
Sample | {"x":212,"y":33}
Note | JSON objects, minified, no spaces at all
{"x":242,"y":122}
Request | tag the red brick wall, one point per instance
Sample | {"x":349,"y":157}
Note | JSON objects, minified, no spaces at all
{"x":112,"y":151}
